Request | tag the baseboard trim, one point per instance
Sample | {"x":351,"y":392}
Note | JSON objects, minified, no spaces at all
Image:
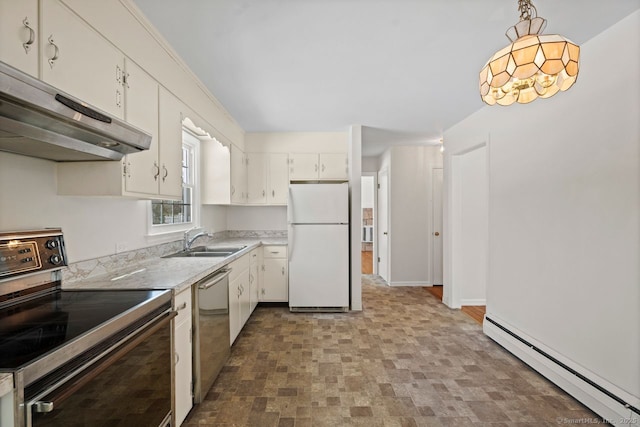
{"x":612,"y":404}
{"x":410,"y":284}
{"x":473,"y":302}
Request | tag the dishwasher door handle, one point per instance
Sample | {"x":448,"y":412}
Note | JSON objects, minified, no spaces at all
{"x":217,"y":277}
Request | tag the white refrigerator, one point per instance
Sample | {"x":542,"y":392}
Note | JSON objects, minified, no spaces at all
{"x":318,"y":232}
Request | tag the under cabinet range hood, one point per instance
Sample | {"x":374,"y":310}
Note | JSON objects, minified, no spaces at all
{"x":40,"y":121}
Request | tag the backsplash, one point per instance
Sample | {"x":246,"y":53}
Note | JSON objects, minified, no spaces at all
{"x":99,"y":266}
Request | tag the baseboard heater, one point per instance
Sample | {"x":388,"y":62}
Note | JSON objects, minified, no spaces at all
{"x":614,"y":414}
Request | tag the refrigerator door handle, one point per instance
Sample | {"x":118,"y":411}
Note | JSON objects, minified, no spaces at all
{"x":289,"y":206}
{"x":291,"y":238}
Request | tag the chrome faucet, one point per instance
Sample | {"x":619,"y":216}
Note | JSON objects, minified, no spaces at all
{"x":189,"y":241}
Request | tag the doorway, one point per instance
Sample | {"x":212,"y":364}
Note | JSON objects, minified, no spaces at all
{"x":368,"y":220}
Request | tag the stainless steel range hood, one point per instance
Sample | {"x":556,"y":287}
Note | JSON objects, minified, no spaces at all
{"x":40,"y":121}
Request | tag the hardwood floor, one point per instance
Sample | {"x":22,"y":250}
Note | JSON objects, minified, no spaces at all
{"x":367,"y":262}
{"x":476,"y":312}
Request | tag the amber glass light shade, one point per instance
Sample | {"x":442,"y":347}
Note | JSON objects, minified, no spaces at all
{"x":533,"y":66}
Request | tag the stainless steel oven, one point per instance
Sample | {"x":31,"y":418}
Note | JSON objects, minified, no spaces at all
{"x":80,"y":357}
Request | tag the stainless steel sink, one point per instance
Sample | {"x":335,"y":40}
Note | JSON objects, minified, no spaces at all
{"x":208,"y":252}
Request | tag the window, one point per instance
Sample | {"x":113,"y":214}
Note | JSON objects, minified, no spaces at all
{"x":179,"y":215}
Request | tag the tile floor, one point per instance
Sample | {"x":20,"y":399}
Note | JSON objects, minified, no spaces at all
{"x":405,"y":360}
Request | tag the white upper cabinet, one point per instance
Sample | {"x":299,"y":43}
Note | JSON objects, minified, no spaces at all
{"x":334,"y":166}
{"x":278,"y":179}
{"x":142,"y":170}
{"x":257,"y":178}
{"x":78,"y":60}
{"x":215,"y":173}
{"x":268,"y":178}
{"x":323,"y":166}
{"x":238,"y":176}
{"x":19,"y":34}
{"x":303,"y":166}
{"x":171,"y":113}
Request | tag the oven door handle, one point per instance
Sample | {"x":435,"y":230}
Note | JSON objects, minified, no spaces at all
{"x":77,"y":379}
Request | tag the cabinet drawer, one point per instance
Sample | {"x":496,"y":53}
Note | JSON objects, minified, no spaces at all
{"x":182,"y":304}
{"x":238,"y":266}
{"x":274,"y":251}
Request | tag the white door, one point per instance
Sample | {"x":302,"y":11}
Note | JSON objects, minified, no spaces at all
{"x":256,"y":178}
{"x":437,"y":226}
{"x":318,"y":265}
{"x":334,"y":166}
{"x":170,"y":111}
{"x":318,"y":203}
{"x":303,"y":166}
{"x":383,"y":225}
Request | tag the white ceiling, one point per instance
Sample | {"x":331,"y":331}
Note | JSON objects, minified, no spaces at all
{"x":405,"y":69}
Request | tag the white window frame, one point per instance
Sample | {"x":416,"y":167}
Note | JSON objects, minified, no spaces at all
{"x":193,"y":143}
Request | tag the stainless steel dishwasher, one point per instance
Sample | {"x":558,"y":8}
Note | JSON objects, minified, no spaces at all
{"x":211,"y":330}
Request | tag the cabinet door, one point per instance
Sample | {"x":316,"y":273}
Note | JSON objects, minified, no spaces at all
{"x":19,"y":34}
{"x":170,"y":111}
{"x":334,"y":166}
{"x":274,"y":280}
{"x":234,"y":309}
{"x":278,"y":179}
{"x":216,"y":173}
{"x":141,"y":110}
{"x":256,"y":178}
{"x":77,"y":60}
{"x":303,"y":166}
{"x":245,"y":298}
{"x":183,"y":371}
{"x":253,"y":282}
{"x":238,"y":175}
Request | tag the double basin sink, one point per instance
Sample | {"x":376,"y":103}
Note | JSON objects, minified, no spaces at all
{"x":206,"y":252}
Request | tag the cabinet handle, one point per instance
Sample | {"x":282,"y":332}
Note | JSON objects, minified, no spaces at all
{"x":118,"y":99}
{"x":118,"y":74}
{"x":32,"y":35}
{"x":177,"y":358}
{"x":181,"y":306}
{"x":283,"y":271}
{"x":323,"y":167}
{"x":166,"y":173}
{"x":275,"y":252}
{"x":125,"y":79}
{"x":56,"y":53}
{"x":273,"y":193}
{"x":316,"y":167}
{"x":263,"y":193}
{"x":127,"y":169}
{"x":233,"y":190}
{"x":157,"y":174}
{"x":262,"y":291}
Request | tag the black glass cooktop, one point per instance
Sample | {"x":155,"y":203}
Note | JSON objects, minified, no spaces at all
{"x":33,"y":328}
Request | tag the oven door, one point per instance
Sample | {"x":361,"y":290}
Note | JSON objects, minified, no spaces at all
{"x":129,"y":384}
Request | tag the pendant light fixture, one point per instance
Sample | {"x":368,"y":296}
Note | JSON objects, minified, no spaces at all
{"x":532,"y":66}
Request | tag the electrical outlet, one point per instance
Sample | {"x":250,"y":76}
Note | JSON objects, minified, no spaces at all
{"x":121,"y":247}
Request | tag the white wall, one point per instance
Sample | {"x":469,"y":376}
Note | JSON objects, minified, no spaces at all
{"x":410,"y":215}
{"x":297,"y":142}
{"x":370,"y":164}
{"x":470,"y":236}
{"x":92,"y":225}
{"x":257,"y":218}
{"x":367,"y":192}
{"x":355,"y":214}
{"x":563,"y":213}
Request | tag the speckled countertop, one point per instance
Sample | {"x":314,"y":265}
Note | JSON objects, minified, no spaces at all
{"x":6,"y":383}
{"x":170,"y":273}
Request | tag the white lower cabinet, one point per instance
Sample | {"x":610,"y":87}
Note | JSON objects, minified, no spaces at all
{"x":254,"y":282}
{"x":183,"y":357}
{"x":239,"y":299}
{"x":274,"y":283}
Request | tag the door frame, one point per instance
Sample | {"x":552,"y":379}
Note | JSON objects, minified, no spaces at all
{"x":384,"y":171}
{"x":375,"y":218}
{"x":433,"y":228}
